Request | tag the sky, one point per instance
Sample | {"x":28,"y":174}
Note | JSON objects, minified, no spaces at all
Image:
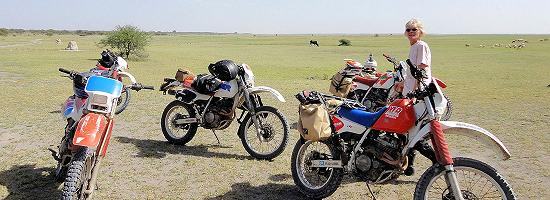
{"x":282,"y":16}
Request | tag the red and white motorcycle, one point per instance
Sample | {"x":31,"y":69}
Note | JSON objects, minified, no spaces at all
{"x":375,"y":90}
{"x":378,"y":147}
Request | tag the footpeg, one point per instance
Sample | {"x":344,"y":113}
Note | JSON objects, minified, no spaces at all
{"x":54,"y":155}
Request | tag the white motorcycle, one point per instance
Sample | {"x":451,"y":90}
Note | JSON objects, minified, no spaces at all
{"x":211,"y":101}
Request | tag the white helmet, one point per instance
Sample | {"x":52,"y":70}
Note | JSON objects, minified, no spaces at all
{"x":370,"y":62}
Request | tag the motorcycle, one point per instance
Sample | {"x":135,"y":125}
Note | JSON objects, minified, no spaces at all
{"x":89,"y":114}
{"x":375,"y":90}
{"x":378,"y":147}
{"x":263,"y":130}
{"x":122,"y":67}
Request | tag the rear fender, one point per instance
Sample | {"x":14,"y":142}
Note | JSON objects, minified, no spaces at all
{"x":260,"y":89}
{"x":90,"y":130}
{"x":472,"y":131}
{"x":126,"y":74}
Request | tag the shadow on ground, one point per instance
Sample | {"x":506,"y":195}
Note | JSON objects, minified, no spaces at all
{"x":159,"y":149}
{"x":29,"y":182}
{"x":269,"y":191}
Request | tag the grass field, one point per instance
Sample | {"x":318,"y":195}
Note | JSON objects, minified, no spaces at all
{"x":500,"y":89}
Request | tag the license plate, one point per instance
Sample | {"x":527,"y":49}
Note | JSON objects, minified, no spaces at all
{"x":327,"y":163}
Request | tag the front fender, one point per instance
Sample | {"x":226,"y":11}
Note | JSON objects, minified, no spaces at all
{"x":90,"y":129}
{"x":460,"y":128}
{"x":260,"y":89}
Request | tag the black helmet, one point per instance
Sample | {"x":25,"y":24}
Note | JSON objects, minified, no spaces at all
{"x":225,"y":70}
{"x":107,"y":59}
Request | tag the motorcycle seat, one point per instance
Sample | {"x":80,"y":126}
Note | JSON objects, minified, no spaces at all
{"x":365,"y":80}
{"x":361,"y":116}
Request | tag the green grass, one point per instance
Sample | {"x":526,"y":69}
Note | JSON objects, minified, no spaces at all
{"x":500,"y":89}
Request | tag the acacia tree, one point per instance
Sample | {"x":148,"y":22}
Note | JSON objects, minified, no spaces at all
{"x":126,"y":40}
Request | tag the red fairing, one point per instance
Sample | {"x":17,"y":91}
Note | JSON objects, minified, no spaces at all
{"x":398,"y":118}
{"x":366,"y":81}
{"x":440,"y":83}
{"x":337,"y":123}
{"x":441,"y":147}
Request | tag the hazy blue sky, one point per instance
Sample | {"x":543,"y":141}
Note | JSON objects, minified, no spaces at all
{"x":282,"y":16}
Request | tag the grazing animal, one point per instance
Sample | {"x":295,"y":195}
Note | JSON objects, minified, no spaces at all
{"x":482,"y":46}
{"x":313,"y":42}
{"x":58,"y":41}
{"x":467,"y":45}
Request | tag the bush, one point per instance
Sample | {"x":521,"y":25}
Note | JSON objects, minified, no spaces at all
{"x":344,"y":42}
{"x":127,"y":40}
{"x":4,"y":32}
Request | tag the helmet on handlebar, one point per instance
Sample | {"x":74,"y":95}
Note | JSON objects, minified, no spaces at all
{"x":370,"y":64}
{"x":225,"y":70}
{"x":107,"y":59}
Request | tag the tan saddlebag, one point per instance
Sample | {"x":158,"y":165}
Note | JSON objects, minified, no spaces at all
{"x":340,"y":84}
{"x":182,"y":74}
{"x":314,"y":122}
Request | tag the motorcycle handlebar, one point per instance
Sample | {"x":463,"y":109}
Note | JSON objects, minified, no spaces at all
{"x":139,"y":86}
{"x":66,"y":71}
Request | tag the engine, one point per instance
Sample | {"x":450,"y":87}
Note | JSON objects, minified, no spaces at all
{"x":381,"y":152}
{"x":219,"y":114}
{"x":375,"y":99}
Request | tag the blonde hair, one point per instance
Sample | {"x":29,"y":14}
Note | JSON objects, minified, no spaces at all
{"x":415,"y":23}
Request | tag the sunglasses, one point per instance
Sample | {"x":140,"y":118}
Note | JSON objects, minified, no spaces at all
{"x":412,"y":29}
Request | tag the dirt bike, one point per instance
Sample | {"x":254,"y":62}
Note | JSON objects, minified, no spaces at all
{"x":375,"y":90}
{"x":89,"y":114}
{"x":263,"y":129}
{"x":378,"y":147}
{"x":121,"y":68}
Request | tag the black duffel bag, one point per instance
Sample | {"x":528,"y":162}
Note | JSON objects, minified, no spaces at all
{"x":206,"y":84}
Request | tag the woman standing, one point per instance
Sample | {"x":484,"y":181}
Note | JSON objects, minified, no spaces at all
{"x":419,"y":54}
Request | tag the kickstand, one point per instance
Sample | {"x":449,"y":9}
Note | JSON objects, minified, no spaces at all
{"x":54,"y":154}
{"x":219,"y":144}
{"x":372,"y":194}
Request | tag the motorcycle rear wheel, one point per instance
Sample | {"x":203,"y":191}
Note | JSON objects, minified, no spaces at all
{"x":469,"y":172}
{"x":274,"y":136}
{"x":176,"y":110}
{"x":78,"y":175}
{"x":327,"y":179}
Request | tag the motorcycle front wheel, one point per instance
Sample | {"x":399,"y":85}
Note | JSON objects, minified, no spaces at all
{"x":123,"y":100}
{"x":78,"y":175}
{"x":476,"y":179}
{"x":273,"y":137}
{"x":315,"y":182}
{"x":175,"y":133}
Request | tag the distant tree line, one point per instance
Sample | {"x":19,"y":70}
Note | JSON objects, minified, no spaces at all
{"x":51,"y":32}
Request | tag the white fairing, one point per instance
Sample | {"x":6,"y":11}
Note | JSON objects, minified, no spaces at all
{"x":440,"y":100}
{"x":460,"y":128}
{"x":227,"y":89}
{"x":248,"y":75}
{"x":385,"y":83}
{"x":122,"y":65}
{"x":261,"y":89}
{"x":350,"y":126}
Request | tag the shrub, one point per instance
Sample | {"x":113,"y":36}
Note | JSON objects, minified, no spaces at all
{"x":344,"y":42}
{"x":127,"y":40}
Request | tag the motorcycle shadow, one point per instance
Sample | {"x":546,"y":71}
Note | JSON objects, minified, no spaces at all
{"x":29,"y":182}
{"x":159,"y":149}
{"x":269,"y":191}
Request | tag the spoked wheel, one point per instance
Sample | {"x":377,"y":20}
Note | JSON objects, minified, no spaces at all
{"x":476,"y":179}
{"x":123,"y":100}
{"x":78,"y":176}
{"x":174,"y":131}
{"x":315,"y":182}
{"x":448,"y":111}
{"x":273,"y":136}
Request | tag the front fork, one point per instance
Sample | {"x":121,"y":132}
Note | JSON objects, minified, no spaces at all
{"x":252,"y":110}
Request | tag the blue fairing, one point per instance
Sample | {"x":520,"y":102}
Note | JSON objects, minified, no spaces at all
{"x":361,"y":116}
{"x":102,"y":84}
